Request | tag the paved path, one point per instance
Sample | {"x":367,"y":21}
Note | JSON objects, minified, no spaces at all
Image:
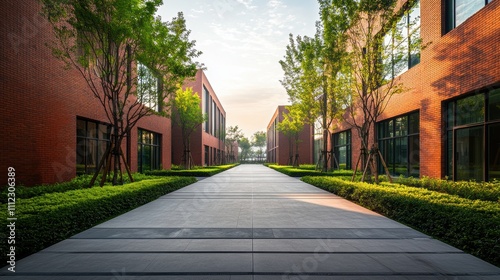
{"x":251,"y":222}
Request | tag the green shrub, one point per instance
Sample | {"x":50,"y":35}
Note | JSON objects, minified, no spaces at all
{"x":470,"y":225}
{"x":196,"y":172}
{"x":489,"y":191}
{"x":79,"y":182}
{"x":306,"y":171}
{"x":47,"y":219}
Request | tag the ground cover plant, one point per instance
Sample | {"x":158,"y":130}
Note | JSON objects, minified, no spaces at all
{"x":488,"y":191}
{"x":48,"y":218}
{"x":196,"y":171}
{"x":470,"y":225}
{"x":307,"y":170}
{"x":79,"y":182}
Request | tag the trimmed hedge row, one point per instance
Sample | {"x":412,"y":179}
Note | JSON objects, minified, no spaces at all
{"x":77,"y":183}
{"x":301,"y":172}
{"x":200,"y":172}
{"x":470,"y":225}
{"x":489,"y":191}
{"x":47,"y":219}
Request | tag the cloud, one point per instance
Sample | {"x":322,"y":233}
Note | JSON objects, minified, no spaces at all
{"x":247,"y":4}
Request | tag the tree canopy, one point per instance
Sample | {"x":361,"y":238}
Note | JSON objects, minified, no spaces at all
{"x":188,"y":115}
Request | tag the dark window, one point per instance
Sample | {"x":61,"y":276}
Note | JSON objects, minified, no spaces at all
{"x":206,"y":108}
{"x":494,"y":105}
{"x":472,"y":137}
{"x":207,"y":156}
{"x":401,"y":46}
{"x":148,"y":87}
{"x":92,"y":138}
{"x":148,"y":150}
{"x":342,"y":149}
{"x":458,"y":11}
{"x":399,"y":143}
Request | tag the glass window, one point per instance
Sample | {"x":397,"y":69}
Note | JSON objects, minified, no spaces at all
{"x":494,"y":152}
{"x":473,"y":137}
{"x":401,"y":128}
{"x":399,"y":144}
{"x":414,"y":124}
{"x":402,"y":44}
{"x":470,"y":110}
{"x":458,"y":11}
{"x":494,"y":105}
{"x":147,"y":87}
{"x":148,"y":150}
{"x":466,"y":8}
{"x":92,"y":138}
{"x":469,"y":153}
{"x":342,"y":149}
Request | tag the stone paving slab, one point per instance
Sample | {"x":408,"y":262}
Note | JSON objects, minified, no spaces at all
{"x":251,"y":222}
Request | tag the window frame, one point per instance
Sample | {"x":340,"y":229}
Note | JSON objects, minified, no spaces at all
{"x":99,"y":141}
{"x":156,"y":150}
{"x":449,"y":15}
{"x":451,"y":127}
{"x":390,"y":51}
{"x":347,"y":145}
{"x":151,"y":103}
{"x":393,"y":138}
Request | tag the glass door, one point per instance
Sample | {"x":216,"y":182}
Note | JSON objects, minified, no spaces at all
{"x":469,"y":153}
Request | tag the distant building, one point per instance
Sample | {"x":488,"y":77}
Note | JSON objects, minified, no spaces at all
{"x":281,"y":148}
{"x":207,"y":142}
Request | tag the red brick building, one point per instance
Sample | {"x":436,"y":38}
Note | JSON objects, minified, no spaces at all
{"x":207,"y":142}
{"x":448,"y":123}
{"x":53,"y":126}
{"x":280,"y":147}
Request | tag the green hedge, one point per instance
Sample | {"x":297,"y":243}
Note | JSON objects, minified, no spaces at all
{"x":196,"y":172}
{"x":79,"y":182}
{"x":470,"y":225}
{"x":307,"y":171}
{"x":47,"y":219}
{"x":489,"y":191}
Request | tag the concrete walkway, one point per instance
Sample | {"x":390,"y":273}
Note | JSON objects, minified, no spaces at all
{"x":251,"y":222}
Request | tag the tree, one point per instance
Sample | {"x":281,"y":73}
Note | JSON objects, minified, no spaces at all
{"x":245,"y":146}
{"x":291,"y":126}
{"x":188,"y":115}
{"x":102,"y":39}
{"x":259,"y":141}
{"x":313,"y":68}
{"x":373,"y":64}
{"x":233,"y":135}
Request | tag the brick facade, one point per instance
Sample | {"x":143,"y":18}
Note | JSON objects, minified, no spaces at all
{"x":202,"y":139}
{"x":40,"y":103}
{"x":278,"y":144}
{"x":464,"y":61}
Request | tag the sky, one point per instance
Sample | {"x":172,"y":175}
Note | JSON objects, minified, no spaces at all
{"x":242,"y":43}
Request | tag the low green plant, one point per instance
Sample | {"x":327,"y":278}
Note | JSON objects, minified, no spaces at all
{"x":46,"y":219}
{"x":488,"y":191}
{"x":196,"y":171}
{"x":79,"y":182}
{"x":470,"y":225}
{"x":307,"y":171}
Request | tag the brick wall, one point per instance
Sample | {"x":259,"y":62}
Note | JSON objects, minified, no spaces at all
{"x":41,"y":100}
{"x":199,"y":138}
{"x":465,"y":60}
{"x":282,"y":148}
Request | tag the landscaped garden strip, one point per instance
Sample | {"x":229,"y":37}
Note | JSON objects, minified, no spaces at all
{"x":196,"y":172}
{"x":470,"y":225}
{"x":47,"y":219}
